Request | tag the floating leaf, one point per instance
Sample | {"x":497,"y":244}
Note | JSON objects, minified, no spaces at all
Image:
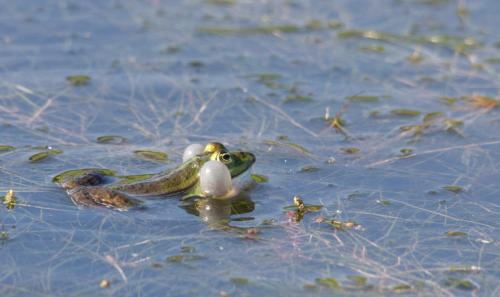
{"x":69,"y":174}
{"x":373,"y":48}
{"x":363,"y":98}
{"x":6,"y":148}
{"x":383,"y":202}
{"x":405,"y":152}
{"x":297,"y":98}
{"x":152,"y":155}
{"x":328,"y":282}
{"x":401,"y":288}
{"x":455,"y":234}
{"x":308,"y":168}
{"x":405,"y":112}
{"x":187,"y":249}
{"x":240,"y":280}
{"x":272,"y":29}
{"x":111,"y":139}
{"x":453,"y":189}
{"x":4,"y":236}
{"x":175,"y":259}
{"x":465,"y":269}
{"x":10,"y":200}
{"x":462,"y":284}
{"x":196,"y":64}
{"x":78,"y":80}
{"x":298,"y":148}
{"x":448,"y":100}
{"x":39,"y":156}
{"x":339,"y":225}
{"x":350,"y":150}
{"x":259,"y":178}
{"x":359,"y":281}
{"x":429,"y":117}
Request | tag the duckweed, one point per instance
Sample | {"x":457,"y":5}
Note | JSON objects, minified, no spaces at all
{"x":363,"y":98}
{"x":405,"y":112}
{"x":152,"y":155}
{"x":350,"y":150}
{"x":453,"y":188}
{"x":401,"y":288}
{"x":240,"y":280}
{"x":259,"y":178}
{"x":78,"y":80}
{"x":455,"y":234}
{"x":43,"y":155}
{"x":458,"y":283}
{"x":328,"y":282}
{"x":6,"y":148}
{"x":308,"y":168}
{"x":9,"y":200}
{"x":111,"y":139}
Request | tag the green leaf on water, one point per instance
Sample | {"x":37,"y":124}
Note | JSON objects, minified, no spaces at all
{"x":431,"y":116}
{"x":308,"y":168}
{"x":374,"y":48}
{"x":405,"y":152}
{"x":383,"y":202}
{"x":328,"y":282}
{"x":359,"y":281}
{"x":464,"y":269}
{"x":448,"y":100}
{"x":43,"y":155}
{"x":298,"y":148}
{"x":78,"y":80}
{"x":152,"y":155}
{"x":239,"y":280}
{"x":462,"y":284}
{"x":405,"y":112}
{"x":454,"y":189}
{"x":297,"y":98}
{"x":455,"y":234}
{"x":401,"y":288}
{"x":175,"y":259}
{"x":259,"y":178}
{"x":6,"y":148}
{"x":111,"y":139}
{"x":350,"y":150}
{"x":39,"y":156}
{"x":363,"y":98}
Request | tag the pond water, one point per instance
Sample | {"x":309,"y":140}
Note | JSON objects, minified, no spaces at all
{"x":385,"y":113}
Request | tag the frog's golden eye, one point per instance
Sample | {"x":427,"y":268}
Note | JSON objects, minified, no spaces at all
{"x":225,"y":157}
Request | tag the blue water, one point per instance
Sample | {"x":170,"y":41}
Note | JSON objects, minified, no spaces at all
{"x":159,"y":80}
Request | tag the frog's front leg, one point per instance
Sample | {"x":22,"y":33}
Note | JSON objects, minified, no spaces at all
{"x":101,"y":196}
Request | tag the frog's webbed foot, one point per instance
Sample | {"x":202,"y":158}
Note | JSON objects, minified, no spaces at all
{"x":100,"y":196}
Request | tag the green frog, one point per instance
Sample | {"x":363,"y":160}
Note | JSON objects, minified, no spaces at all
{"x":87,"y":186}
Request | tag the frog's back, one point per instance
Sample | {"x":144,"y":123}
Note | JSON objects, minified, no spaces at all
{"x":166,"y":183}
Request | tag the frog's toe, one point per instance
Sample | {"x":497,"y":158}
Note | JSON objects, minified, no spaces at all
{"x":98,"y":196}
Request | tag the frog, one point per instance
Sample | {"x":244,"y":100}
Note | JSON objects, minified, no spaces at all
{"x":88,"y":187}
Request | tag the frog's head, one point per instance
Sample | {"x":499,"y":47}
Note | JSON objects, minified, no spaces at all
{"x":237,"y":162}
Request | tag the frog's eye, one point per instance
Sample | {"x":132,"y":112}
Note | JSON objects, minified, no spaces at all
{"x":225,"y":157}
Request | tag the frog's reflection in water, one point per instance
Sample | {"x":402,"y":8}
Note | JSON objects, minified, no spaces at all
{"x":218,"y":212}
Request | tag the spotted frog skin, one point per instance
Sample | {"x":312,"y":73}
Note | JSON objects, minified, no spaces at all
{"x":87,"y":187}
